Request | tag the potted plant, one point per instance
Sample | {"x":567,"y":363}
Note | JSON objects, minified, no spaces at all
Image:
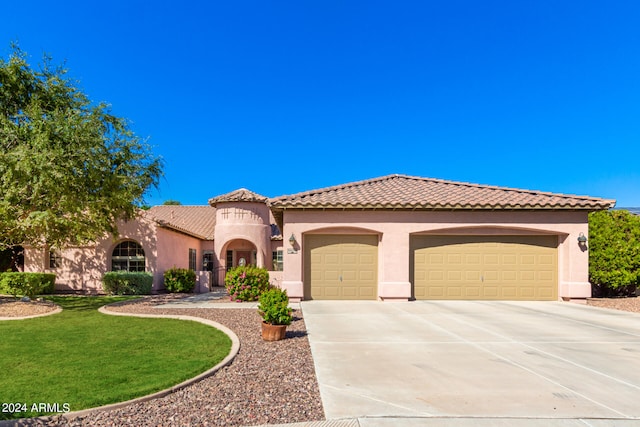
{"x":275,"y":312}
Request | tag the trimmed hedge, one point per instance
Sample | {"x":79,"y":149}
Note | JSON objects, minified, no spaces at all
{"x":127,"y":283}
{"x":614,"y":253}
{"x":179,"y":280}
{"x":27,"y":284}
{"x":246,"y":283}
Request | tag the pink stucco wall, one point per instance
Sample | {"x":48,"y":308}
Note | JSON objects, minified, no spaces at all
{"x":173,"y":249}
{"x":82,"y":268}
{"x":395,"y":228}
{"x":242,"y":226}
{"x":245,"y":226}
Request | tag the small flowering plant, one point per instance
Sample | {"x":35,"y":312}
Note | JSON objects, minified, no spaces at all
{"x":246,"y":283}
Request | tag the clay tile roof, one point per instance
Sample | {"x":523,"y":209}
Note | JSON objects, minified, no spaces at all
{"x":197,"y":221}
{"x":409,"y":192}
{"x":240,"y":195}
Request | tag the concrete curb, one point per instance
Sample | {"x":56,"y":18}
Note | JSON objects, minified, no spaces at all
{"x":235,"y":348}
{"x":33,"y":316}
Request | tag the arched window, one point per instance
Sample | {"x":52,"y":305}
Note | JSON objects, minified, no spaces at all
{"x":128,"y":256}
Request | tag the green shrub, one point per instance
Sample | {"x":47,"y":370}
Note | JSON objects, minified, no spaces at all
{"x":27,"y":284}
{"x":274,"y":307}
{"x":127,"y":283}
{"x":246,"y":283}
{"x":614,"y":252}
{"x":179,"y":280}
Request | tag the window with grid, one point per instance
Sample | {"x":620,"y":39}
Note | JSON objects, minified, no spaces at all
{"x":128,"y":256}
{"x":229,"y":260}
{"x":55,"y":259}
{"x":277,"y":260}
{"x":192,"y":259}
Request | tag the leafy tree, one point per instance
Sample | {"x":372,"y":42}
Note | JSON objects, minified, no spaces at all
{"x":11,"y":259}
{"x":172,"y":202}
{"x":69,"y":169}
{"x":614,"y":252}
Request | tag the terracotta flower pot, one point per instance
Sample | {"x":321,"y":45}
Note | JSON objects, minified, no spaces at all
{"x":273,"y":332}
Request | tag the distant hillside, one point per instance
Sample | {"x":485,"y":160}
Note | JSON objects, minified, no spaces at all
{"x":632,"y":210}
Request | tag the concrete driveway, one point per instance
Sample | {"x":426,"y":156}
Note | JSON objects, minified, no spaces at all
{"x":476,"y":360}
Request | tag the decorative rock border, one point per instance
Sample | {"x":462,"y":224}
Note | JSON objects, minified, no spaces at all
{"x":49,"y":313}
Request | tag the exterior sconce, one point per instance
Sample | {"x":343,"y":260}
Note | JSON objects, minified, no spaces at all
{"x":582,"y":240}
{"x":292,"y":240}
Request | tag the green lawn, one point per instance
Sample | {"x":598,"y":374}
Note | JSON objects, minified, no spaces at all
{"x":86,"y":359}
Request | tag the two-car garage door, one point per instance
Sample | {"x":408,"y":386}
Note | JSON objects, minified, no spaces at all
{"x":485,"y":267}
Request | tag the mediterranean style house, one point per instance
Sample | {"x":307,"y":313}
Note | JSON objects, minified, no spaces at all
{"x":396,"y":237}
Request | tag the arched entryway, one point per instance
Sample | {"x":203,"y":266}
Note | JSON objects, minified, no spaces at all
{"x":238,"y":252}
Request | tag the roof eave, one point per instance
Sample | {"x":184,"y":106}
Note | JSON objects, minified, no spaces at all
{"x":443,"y":207}
{"x":173,"y":227}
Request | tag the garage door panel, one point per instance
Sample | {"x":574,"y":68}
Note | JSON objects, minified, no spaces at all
{"x":349,"y":292}
{"x":329,"y":259}
{"x":509,"y":259}
{"x":492,"y":267}
{"x":368,"y":276}
{"x":509,"y":276}
{"x":546,"y":293}
{"x":472,"y":291}
{"x":434,"y":275}
{"x":472,"y":259}
{"x":528,"y":292}
{"x":472,"y":275}
{"x":349,"y":258}
{"x":490,"y":291}
{"x":341,"y":266}
{"x":546,"y":260}
{"x":491,"y":259}
{"x":546,"y":276}
{"x":454,"y":259}
{"x":454,"y":276}
{"x":434,"y":259}
{"x":436,"y":291}
{"x":509,"y":291}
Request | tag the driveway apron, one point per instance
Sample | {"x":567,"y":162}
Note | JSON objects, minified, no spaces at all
{"x":474,"y":359}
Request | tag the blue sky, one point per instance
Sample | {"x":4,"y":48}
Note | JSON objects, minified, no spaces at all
{"x":287,"y":96}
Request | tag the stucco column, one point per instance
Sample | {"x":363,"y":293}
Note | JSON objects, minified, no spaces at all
{"x":292,"y":274}
{"x":393,"y":253}
{"x":573,"y":260}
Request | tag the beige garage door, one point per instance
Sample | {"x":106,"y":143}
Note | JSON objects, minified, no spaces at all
{"x":485,"y":267}
{"x":341,"y":267}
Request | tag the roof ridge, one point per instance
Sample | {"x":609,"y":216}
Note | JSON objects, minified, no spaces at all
{"x":496,"y":187}
{"x":339,"y":186}
{"x":239,"y":195}
{"x":440,"y":194}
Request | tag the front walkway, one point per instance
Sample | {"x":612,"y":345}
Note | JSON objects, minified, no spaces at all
{"x":217,"y":298}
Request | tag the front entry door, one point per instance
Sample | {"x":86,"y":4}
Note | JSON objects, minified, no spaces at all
{"x":243,"y":258}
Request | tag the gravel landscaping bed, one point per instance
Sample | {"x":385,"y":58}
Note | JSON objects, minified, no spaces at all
{"x":626,"y":304}
{"x":267,"y":383}
{"x":14,"y":308}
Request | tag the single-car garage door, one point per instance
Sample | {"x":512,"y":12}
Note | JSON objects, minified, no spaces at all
{"x":485,"y":267}
{"x":341,"y":267}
